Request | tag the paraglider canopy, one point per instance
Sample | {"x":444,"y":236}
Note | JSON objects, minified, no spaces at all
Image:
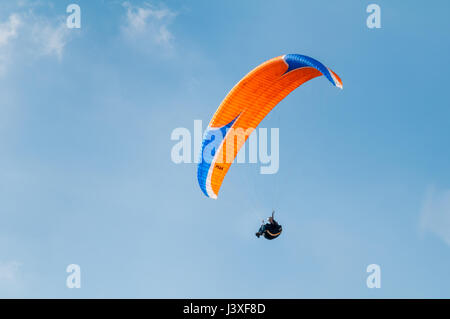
{"x":245,"y":107}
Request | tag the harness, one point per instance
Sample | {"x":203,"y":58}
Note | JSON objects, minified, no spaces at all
{"x":273,"y":235}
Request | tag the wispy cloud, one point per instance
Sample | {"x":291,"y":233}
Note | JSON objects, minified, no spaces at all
{"x":50,"y":38}
{"x":8,"y":29}
{"x":27,"y":35}
{"x":9,"y":270}
{"x":149,"y":22}
{"x":8,"y":32}
{"x":435,"y":214}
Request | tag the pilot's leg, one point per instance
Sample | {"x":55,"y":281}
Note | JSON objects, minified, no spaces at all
{"x":261,"y":230}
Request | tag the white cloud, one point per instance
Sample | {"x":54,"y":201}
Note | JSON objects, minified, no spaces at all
{"x":8,"y":29}
{"x":8,"y":32}
{"x":50,"y":38}
{"x":26,"y":35}
{"x":9,"y":270}
{"x":149,"y":22}
{"x":435,"y":214}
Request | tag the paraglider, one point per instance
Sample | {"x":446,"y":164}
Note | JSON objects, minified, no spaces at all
{"x":245,"y":107}
{"x":270,"y":230}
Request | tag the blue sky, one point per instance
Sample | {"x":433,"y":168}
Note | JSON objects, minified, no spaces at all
{"x":86,"y":176}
